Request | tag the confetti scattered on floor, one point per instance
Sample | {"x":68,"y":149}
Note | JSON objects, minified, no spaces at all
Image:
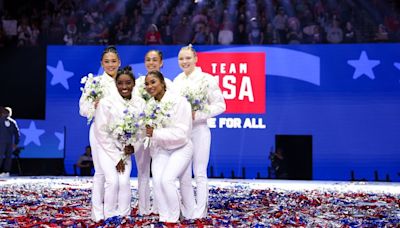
{"x":65,"y":202}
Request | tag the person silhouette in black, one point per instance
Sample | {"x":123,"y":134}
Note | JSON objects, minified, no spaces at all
{"x":85,"y":162}
{"x":9,"y":139}
{"x":279,"y":164}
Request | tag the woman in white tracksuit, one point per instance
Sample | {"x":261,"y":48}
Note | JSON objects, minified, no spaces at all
{"x":117,"y":192}
{"x":153,"y":61}
{"x":110,"y":62}
{"x":201,"y":135}
{"x":171,"y":151}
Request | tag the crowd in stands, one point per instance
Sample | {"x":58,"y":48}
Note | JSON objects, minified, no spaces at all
{"x":201,"y":22}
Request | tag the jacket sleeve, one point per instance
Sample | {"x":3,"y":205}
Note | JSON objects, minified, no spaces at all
{"x":177,"y":134}
{"x":106,"y":142}
{"x":170,"y":85}
{"x":216,"y":102}
{"x":177,"y":84}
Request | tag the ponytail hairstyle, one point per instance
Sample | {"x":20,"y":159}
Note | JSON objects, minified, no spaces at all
{"x":108,"y":49}
{"x":190,"y":48}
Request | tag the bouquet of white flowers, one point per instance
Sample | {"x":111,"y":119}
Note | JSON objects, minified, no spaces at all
{"x":142,"y":88}
{"x":92,"y":91}
{"x":196,"y":95}
{"x":156,"y":115}
{"x":126,"y":130}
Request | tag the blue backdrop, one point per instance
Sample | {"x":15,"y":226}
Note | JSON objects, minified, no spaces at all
{"x":346,"y":96}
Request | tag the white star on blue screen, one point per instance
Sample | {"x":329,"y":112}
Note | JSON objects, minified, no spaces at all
{"x":363,"y":66}
{"x":397,"y":65}
{"x":32,"y":134}
{"x":60,"y":75}
{"x":60,"y":136}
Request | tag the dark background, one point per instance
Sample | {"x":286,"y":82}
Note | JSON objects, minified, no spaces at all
{"x":23,"y":81}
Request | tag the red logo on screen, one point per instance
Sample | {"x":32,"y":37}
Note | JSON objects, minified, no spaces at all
{"x":241,"y":77}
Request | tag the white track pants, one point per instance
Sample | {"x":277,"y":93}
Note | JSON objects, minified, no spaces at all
{"x":201,"y":138}
{"x":117,"y":191}
{"x":167,"y":167}
{"x":143,"y":158}
{"x":98,"y":181}
{"x":111,"y":193}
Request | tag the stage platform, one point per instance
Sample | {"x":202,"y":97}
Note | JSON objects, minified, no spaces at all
{"x":54,"y":201}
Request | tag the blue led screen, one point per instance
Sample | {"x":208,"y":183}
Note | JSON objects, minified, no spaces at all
{"x":347,"y":97}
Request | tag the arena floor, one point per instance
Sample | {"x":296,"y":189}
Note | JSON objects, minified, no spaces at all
{"x":50,"y":201}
